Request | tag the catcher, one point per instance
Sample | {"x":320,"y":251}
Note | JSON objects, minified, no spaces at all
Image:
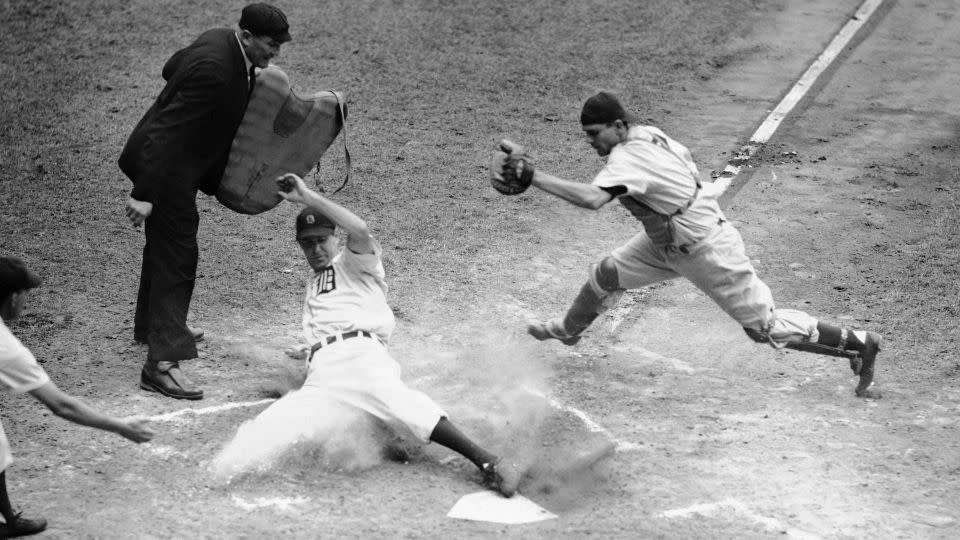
{"x":685,"y":234}
{"x":350,"y":371}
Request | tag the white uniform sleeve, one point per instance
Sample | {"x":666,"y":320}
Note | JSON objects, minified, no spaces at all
{"x":366,"y":263}
{"x":653,"y":168}
{"x":19,"y":370}
{"x":624,"y":169}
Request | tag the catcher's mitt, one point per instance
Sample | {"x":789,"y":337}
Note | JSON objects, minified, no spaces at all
{"x":511,"y":171}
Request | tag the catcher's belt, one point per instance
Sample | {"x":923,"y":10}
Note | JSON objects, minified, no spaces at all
{"x":659,"y":225}
{"x":280,"y":133}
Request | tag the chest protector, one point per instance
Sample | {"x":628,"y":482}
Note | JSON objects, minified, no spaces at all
{"x":280,"y":133}
{"x":659,"y":226}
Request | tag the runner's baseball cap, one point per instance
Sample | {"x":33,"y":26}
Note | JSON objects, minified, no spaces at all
{"x":265,"y":20}
{"x":15,"y":276}
{"x":309,"y":220}
{"x":603,"y":108}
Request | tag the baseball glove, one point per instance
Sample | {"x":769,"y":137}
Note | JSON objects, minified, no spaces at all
{"x":511,"y":170}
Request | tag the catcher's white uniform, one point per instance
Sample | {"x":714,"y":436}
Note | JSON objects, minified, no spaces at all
{"x":19,"y":373}
{"x":686,"y":234}
{"x":348,"y":375}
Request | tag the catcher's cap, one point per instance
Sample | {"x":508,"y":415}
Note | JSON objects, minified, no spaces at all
{"x":265,"y":20}
{"x":15,"y":276}
{"x":603,"y":108}
{"x":309,"y":220}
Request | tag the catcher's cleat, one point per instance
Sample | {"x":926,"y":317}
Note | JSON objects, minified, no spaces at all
{"x":552,"y":329}
{"x":19,"y":526}
{"x":856,"y":364}
{"x":868,"y":357}
{"x":503,"y":476}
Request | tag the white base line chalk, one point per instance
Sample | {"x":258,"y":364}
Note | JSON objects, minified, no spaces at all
{"x":207,"y":410}
{"x":718,"y":507}
{"x":622,"y":446}
{"x":796,"y":93}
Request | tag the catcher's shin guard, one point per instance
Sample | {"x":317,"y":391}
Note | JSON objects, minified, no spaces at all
{"x":860,"y":348}
{"x":597,"y":295}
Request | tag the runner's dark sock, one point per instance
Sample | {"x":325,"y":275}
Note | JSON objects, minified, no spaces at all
{"x":446,"y":434}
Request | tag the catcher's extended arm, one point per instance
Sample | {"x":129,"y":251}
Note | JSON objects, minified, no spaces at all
{"x":511,"y":170}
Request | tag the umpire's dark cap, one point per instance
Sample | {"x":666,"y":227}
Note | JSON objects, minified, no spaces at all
{"x":265,"y":20}
{"x":603,"y":108}
{"x":15,"y":276}
{"x":309,"y":220}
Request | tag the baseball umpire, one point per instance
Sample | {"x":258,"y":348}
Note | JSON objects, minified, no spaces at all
{"x":685,"y":234}
{"x":348,"y":321}
{"x":181,"y":145}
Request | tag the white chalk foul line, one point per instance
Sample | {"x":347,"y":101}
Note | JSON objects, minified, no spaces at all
{"x":280,"y":503}
{"x":712,"y":508}
{"x":208,"y":410}
{"x":797,"y":92}
{"x":622,"y":446}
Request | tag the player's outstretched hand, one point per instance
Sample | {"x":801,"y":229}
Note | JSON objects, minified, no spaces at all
{"x":292,"y":188}
{"x":136,"y":429}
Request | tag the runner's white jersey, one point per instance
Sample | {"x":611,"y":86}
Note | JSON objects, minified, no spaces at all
{"x":660,"y":173}
{"x":350,"y":294}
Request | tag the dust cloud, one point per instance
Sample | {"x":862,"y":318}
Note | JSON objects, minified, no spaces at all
{"x":489,"y":389}
{"x":301,"y":430}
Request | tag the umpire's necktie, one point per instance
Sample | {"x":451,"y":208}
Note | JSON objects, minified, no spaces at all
{"x":253,"y":80}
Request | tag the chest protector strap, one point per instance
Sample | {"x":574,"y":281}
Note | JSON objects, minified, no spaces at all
{"x":659,"y":227}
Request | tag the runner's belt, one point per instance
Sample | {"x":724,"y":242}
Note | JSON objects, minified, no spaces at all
{"x":338,"y":337}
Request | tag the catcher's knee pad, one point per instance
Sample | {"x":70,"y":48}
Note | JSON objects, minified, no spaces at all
{"x":605,"y":282}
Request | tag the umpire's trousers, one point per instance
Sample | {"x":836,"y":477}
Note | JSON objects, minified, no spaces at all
{"x":167,"y":278}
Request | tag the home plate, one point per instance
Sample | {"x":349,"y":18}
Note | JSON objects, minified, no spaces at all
{"x":495,"y":508}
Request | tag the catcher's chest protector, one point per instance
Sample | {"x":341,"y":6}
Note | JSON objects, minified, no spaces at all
{"x":280,"y":133}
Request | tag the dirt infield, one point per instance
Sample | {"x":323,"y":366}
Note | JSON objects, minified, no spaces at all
{"x":850,"y":213}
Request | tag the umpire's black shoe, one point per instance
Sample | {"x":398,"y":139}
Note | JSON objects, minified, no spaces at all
{"x":167,"y":379}
{"x":868,"y":358}
{"x":20,"y":526}
{"x":197,"y":337}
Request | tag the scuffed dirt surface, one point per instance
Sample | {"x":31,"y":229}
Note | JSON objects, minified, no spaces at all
{"x":850,"y":213}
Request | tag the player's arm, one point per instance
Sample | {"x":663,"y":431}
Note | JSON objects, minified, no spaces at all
{"x":70,"y":408}
{"x":177,"y":128}
{"x":294,"y":190}
{"x":512,"y":172}
{"x":582,"y":195}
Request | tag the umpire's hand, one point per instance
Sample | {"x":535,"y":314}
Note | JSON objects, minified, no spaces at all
{"x":137,"y":211}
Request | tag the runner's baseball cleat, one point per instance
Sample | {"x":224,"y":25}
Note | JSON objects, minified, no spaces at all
{"x":503,"y":476}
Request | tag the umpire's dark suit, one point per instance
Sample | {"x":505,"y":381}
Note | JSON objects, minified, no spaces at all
{"x":181,"y":145}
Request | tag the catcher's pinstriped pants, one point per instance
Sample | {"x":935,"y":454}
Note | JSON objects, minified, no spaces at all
{"x":718,"y":265}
